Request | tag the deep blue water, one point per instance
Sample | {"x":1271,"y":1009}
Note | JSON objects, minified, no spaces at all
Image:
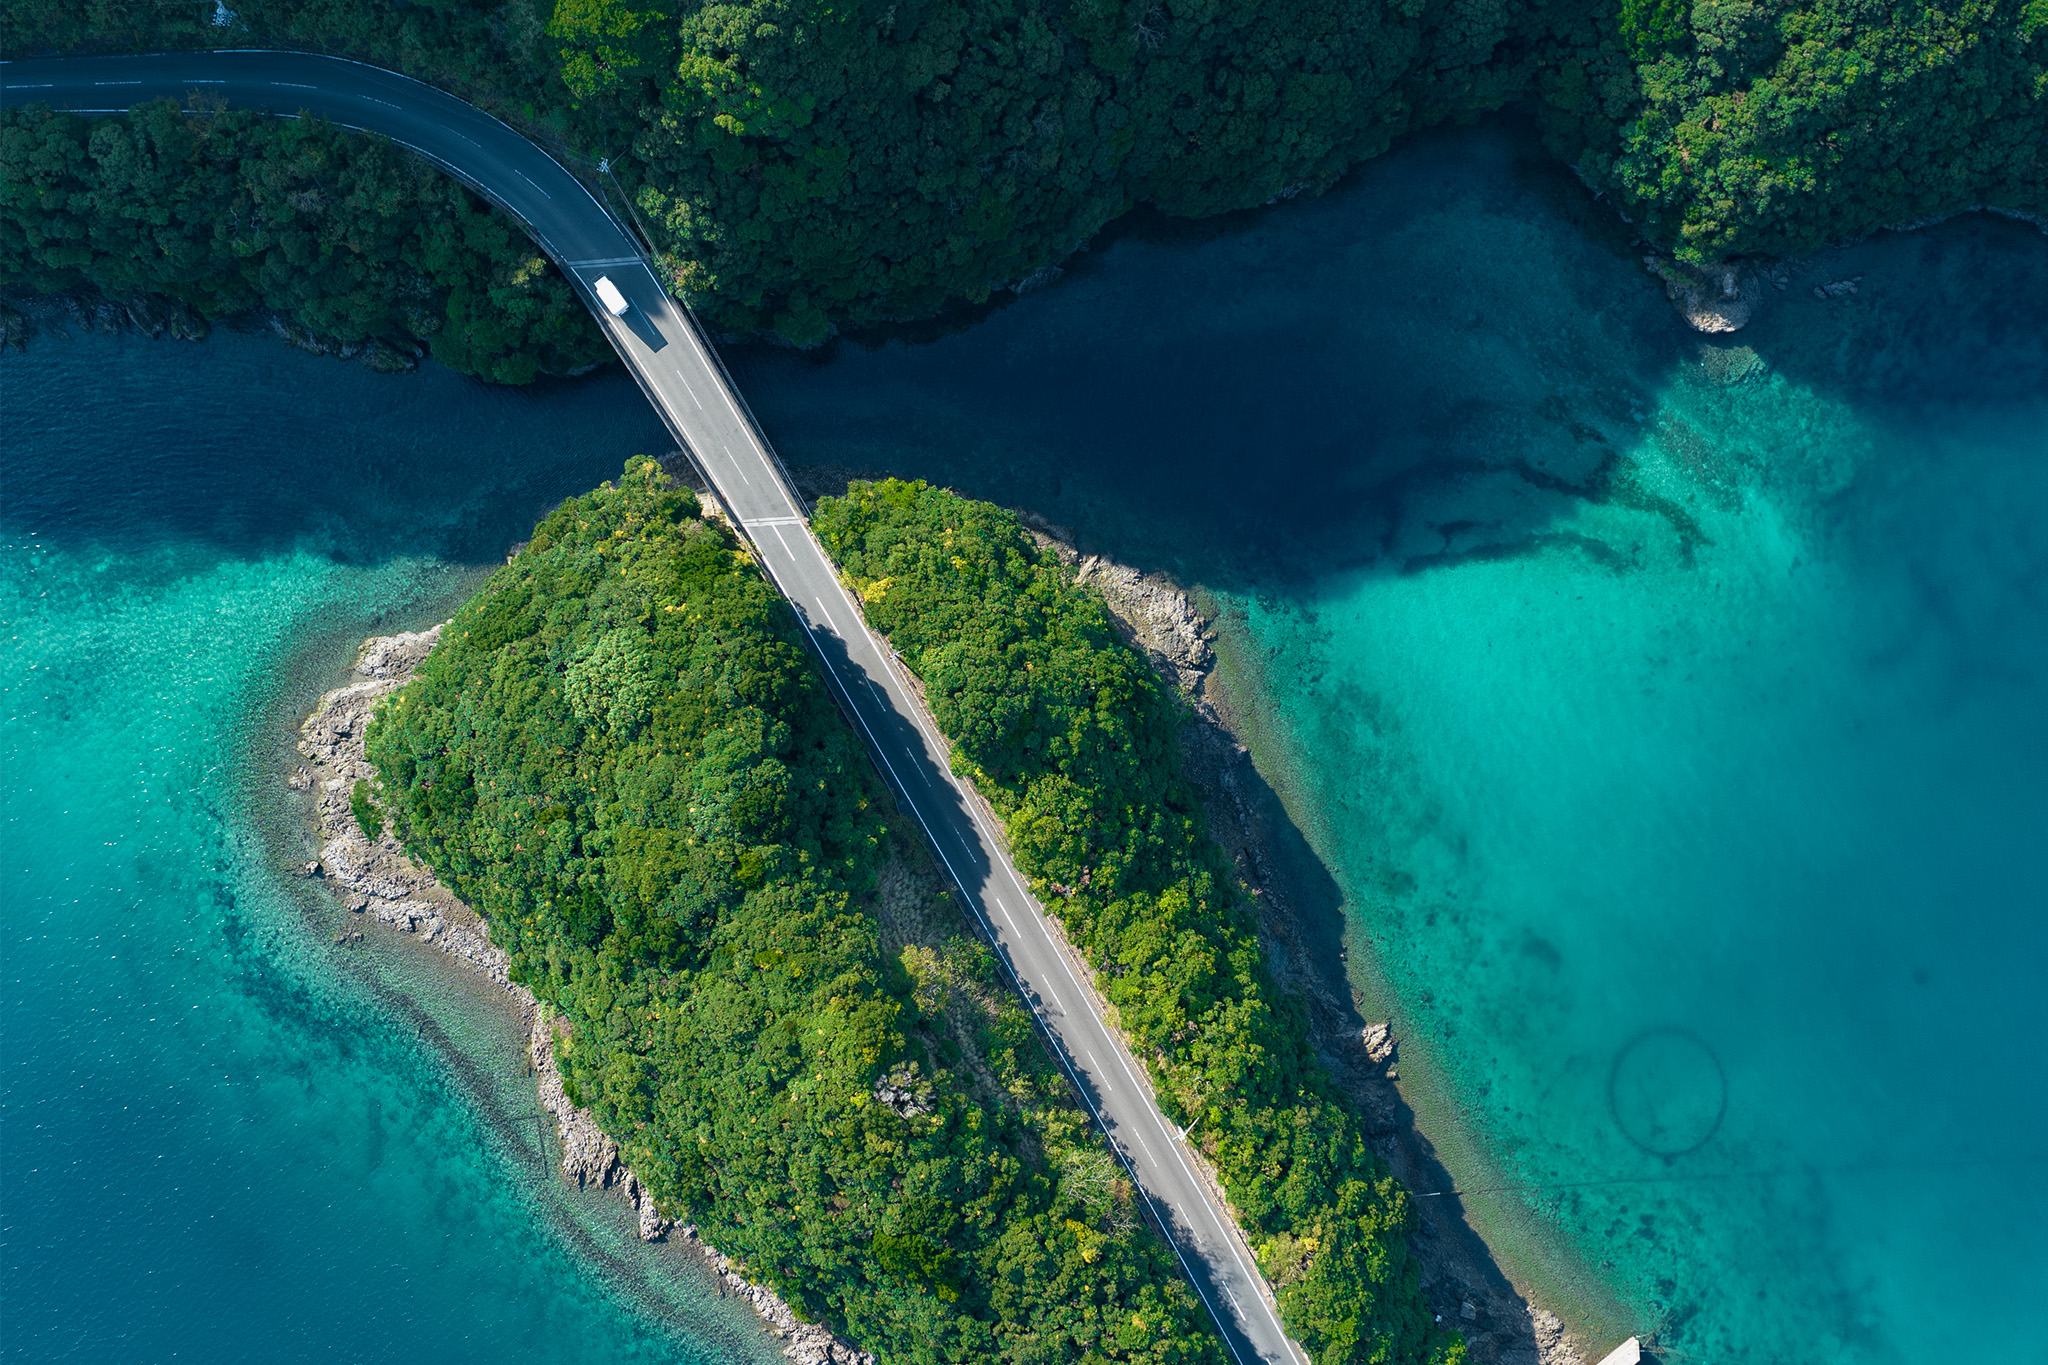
{"x":1667,"y":711}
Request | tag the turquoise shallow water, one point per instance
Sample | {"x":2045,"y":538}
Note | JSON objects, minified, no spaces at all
{"x":1708,"y":863}
{"x":1666,"y":710}
{"x":226,"y":1140}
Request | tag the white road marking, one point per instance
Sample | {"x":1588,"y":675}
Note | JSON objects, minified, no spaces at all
{"x":979,"y":902}
{"x":1123,"y":1061}
{"x":737,"y":456}
{"x":131,"y":83}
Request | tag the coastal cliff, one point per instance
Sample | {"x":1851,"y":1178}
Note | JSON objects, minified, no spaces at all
{"x":375,"y":878}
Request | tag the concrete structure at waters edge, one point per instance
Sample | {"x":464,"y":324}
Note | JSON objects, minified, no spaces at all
{"x":681,"y":375}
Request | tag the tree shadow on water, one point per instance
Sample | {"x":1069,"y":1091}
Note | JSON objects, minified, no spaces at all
{"x":1432,"y":361}
{"x":241,"y":448}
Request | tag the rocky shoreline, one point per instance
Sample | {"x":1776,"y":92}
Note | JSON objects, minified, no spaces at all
{"x":374,"y":878}
{"x":1460,"y":1280}
{"x":156,"y":317}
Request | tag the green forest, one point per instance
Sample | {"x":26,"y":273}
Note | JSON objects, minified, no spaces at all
{"x":1074,"y":740}
{"x":806,"y":165}
{"x":349,"y":236}
{"x":623,"y":757}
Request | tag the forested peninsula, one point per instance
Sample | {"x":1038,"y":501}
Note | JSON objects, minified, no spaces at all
{"x":1075,"y":742}
{"x":622,"y":757}
{"x":806,"y":165}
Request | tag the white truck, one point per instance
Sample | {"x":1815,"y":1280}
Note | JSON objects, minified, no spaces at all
{"x":608,"y":294}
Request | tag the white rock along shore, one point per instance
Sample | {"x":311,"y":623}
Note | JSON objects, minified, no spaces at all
{"x":376,"y":879}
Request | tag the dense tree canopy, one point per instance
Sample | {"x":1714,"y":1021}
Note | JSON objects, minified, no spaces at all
{"x":350,"y":236}
{"x":1074,"y":741}
{"x":1746,"y":126}
{"x":804,"y":164}
{"x":623,"y":757}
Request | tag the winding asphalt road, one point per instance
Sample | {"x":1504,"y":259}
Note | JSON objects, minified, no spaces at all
{"x":685,"y":381}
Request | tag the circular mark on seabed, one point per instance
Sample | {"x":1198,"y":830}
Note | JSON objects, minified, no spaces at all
{"x":1667,"y":1091}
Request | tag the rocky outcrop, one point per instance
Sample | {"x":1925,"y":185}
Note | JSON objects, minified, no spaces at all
{"x":1155,"y":616}
{"x":385,"y":357}
{"x":374,"y":878}
{"x":1718,"y":298}
{"x":1378,"y":1043}
{"x":1553,"y":1346}
{"x":150,"y":315}
{"x":589,"y":1157}
{"x":904,"y":1092}
{"x":804,"y":1342}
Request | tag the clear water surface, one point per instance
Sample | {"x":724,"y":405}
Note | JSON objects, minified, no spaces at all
{"x":1667,"y":709}
{"x":227,"y":1139}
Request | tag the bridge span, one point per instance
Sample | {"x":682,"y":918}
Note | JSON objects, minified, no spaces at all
{"x":682,"y":377}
